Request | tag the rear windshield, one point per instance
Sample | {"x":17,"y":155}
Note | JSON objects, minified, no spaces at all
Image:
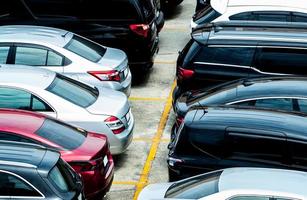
{"x":73,"y":91}
{"x":206,"y":15}
{"x":61,"y":177}
{"x":196,"y":187}
{"x":86,"y":48}
{"x":62,"y":134}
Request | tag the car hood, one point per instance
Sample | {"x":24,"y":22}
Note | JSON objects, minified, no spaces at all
{"x":114,"y":59}
{"x":110,"y":102}
{"x":154,"y":191}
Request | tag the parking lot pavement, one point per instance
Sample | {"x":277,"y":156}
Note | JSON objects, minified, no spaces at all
{"x":145,"y":160}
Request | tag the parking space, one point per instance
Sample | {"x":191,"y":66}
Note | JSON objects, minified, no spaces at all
{"x":145,"y":160}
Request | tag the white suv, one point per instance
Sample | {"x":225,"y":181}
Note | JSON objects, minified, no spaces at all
{"x":260,"y":10}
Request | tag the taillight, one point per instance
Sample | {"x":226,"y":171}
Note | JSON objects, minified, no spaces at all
{"x":184,"y":74}
{"x":140,"y":29}
{"x":111,"y":75}
{"x":115,"y":124}
{"x":179,"y":121}
{"x":86,"y":166}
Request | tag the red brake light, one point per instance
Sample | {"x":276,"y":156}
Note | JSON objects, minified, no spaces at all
{"x":179,"y":121}
{"x":184,"y":74}
{"x":111,"y":75}
{"x":140,"y":29}
{"x":86,"y":166}
{"x":115,"y":125}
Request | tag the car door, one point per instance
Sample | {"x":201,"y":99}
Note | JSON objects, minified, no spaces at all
{"x":255,"y":147}
{"x":220,"y":63}
{"x":16,"y":98}
{"x":38,"y":56}
{"x":272,"y":60}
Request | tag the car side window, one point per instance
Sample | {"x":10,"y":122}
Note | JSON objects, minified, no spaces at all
{"x":244,"y":103}
{"x":273,"y":16}
{"x":302,"y":104}
{"x":299,"y":17}
{"x":19,"y":99}
{"x":4,"y":52}
{"x":279,"y":103}
{"x":250,"y":198}
{"x":35,"y":56}
{"x":227,"y":55}
{"x":282,"y":60}
{"x":11,"y":185}
{"x":243,"y":16}
{"x":12,"y":137}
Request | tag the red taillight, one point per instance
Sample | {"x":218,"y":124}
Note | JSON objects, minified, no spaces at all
{"x":115,"y":124}
{"x":140,"y":29}
{"x":179,"y":121}
{"x":184,"y":74}
{"x":111,"y":75}
{"x":86,"y":166}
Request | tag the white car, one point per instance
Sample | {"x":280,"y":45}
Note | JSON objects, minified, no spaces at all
{"x":262,"y":10}
{"x":96,"y":109}
{"x":234,"y":184}
{"x":67,"y":53}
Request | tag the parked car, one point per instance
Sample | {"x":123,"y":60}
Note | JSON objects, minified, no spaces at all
{"x":67,"y":53}
{"x":240,"y":183}
{"x":159,"y":14}
{"x":88,"y":153}
{"x":128,"y":25}
{"x":273,"y":10}
{"x":30,"y":171}
{"x":201,"y":4}
{"x":282,"y":93}
{"x":226,"y":51}
{"x":98,"y":109}
{"x":221,"y":137}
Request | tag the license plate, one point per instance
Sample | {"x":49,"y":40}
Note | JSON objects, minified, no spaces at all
{"x":105,"y":161}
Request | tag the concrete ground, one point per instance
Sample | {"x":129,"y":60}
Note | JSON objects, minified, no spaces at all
{"x":145,"y":160}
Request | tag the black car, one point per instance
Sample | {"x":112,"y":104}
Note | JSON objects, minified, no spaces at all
{"x":225,"y":51}
{"x":32,"y":172}
{"x":221,"y":137}
{"x":129,"y":25}
{"x":201,"y":4}
{"x":283,"y":93}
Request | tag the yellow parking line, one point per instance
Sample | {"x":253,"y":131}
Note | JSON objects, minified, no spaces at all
{"x":165,"y":62}
{"x":147,"y":99}
{"x":124,"y":183}
{"x":140,"y":139}
{"x":154,"y":147}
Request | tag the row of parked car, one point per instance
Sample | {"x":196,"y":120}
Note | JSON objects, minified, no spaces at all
{"x":240,"y":104}
{"x":64,"y":109}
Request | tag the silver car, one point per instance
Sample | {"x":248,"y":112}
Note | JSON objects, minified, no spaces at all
{"x":96,"y":109}
{"x":67,"y":53}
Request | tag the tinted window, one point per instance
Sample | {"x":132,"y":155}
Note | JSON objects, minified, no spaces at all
{"x":19,"y":99}
{"x":62,"y":134}
{"x":13,"y":137}
{"x":57,"y":178}
{"x":12,"y":186}
{"x":54,"y":59}
{"x":85,"y":48}
{"x":196,"y":187}
{"x":285,"y":61}
{"x":299,"y":17}
{"x":243,"y":16}
{"x":73,"y":91}
{"x":31,"y":56}
{"x":250,"y":198}
{"x":273,"y":16}
{"x":299,"y":154}
{"x":302,"y":103}
{"x":281,"y":104}
{"x":4,"y":51}
{"x":227,"y":55}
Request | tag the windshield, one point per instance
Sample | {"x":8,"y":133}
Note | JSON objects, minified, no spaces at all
{"x":206,"y":15}
{"x":62,"y":134}
{"x":73,"y":91}
{"x":86,"y":48}
{"x":196,"y":187}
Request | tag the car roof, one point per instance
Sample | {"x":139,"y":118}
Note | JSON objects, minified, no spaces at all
{"x":20,"y":121}
{"x":35,"y":34}
{"x":26,"y":75}
{"x":26,"y":155}
{"x":287,"y":181}
{"x":290,"y":124}
{"x":251,"y":32}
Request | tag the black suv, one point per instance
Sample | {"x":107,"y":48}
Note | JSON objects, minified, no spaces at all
{"x":32,"y":172}
{"x":129,"y":25}
{"x":226,"y":51}
{"x":221,"y":137}
{"x":284,"y":93}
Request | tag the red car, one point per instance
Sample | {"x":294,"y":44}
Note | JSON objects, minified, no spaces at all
{"x":88,"y":153}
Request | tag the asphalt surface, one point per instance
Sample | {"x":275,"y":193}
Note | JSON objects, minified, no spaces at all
{"x":145,"y":160}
